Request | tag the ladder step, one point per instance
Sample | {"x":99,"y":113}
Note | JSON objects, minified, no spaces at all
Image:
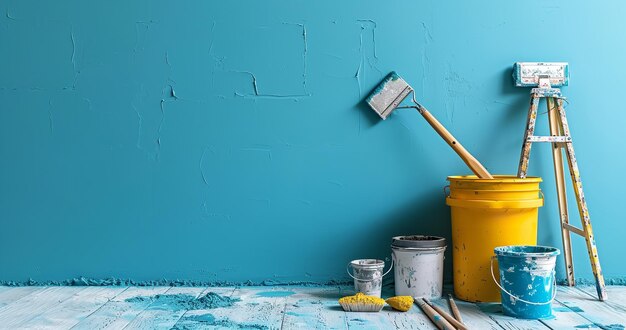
{"x":552,"y":139}
{"x":573,"y":229}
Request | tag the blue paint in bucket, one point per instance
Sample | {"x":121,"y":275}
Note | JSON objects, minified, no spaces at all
{"x":527,"y":278}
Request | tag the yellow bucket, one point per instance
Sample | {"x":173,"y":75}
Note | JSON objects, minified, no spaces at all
{"x":505,"y":214}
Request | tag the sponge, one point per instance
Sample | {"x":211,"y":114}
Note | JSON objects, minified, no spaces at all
{"x":401,"y":303}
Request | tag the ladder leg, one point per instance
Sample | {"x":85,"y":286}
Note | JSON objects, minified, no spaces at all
{"x":582,"y":207}
{"x":557,"y":155}
{"x":530,"y":130}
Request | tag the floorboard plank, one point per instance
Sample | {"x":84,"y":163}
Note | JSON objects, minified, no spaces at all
{"x":118,"y":312}
{"x":413,"y":319}
{"x":473,"y":317}
{"x":564,"y":318}
{"x":617,"y":294}
{"x":162,"y":315}
{"x":70,"y":312}
{"x":260,"y":307}
{"x":601,"y":314}
{"x":314,"y":308}
{"x":32,"y":305}
{"x":494,"y":311}
{"x":11,"y":294}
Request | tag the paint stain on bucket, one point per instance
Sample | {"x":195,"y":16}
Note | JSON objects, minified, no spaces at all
{"x":275,"y":293}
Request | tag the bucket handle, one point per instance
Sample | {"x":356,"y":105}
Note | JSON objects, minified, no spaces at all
{"x":517,"y":298}
{"x":358,"y":279}
{"x":446,"y":191}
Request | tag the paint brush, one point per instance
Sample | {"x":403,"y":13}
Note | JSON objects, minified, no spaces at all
{"x":455,"y":309}
{"x":448,"y":317}
{"x":388,"y":96}
{"x":437,"y":319}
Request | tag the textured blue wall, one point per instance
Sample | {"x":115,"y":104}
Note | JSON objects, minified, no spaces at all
{"x":228,"y":141}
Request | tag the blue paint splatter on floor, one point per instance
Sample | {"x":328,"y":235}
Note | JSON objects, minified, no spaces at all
{"x":490,"y":307}
{"x":183,"y":301}
{"x":601,"y":326}
{"x":205,"y":320}
{"x":295,"y":314}
{"x":568,"y":309}
{"x":275,"y":293}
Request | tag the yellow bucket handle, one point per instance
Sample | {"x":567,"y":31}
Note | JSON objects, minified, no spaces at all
{"x":518,"y":298}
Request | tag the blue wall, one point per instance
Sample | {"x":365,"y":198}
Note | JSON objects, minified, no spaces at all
{"x":228,"y":141}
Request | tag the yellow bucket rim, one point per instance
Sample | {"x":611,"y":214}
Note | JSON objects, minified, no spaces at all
{"x":491,"y":204}
{"x":496,"y":179}
{"x":466,"y":190}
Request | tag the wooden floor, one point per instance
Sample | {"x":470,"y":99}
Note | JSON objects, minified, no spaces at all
{"x":271,"y":308}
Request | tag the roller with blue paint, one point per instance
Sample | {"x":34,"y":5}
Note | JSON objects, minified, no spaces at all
{"x":389,"y":95}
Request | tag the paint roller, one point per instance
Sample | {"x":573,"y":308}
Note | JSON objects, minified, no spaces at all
{"x":388,"y":96}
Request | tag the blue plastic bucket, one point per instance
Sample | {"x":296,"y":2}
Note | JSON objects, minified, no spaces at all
{"x":527,"y":280}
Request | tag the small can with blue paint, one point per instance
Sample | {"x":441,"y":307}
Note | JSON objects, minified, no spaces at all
{"x":527,"y":280}
{"x":418,"y":265}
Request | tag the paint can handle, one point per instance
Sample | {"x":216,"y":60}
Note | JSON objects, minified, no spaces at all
{"x":358,"y":279}
{"x":446,"y":191}
{"x":493,"y":276}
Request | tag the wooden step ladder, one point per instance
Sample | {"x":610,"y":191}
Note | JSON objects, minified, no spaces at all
{"x":561,"y":139}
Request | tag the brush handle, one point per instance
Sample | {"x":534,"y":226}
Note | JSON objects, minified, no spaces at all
{"x":472,"y":162}
{"x":437,"y":319}
{"x":455,"y":309}
{"x":450,"y":318}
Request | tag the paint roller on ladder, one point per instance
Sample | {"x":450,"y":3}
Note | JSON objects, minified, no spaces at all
{"x":388,"y":96}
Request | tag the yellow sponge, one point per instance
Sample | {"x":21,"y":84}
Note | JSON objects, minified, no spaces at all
{"x":401,"y":303}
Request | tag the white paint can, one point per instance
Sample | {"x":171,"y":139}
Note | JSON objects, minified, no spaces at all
{"x":419,"y":265}
{"x":368,"y":276}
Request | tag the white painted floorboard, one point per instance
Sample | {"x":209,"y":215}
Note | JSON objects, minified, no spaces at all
{"x":281,"y":307}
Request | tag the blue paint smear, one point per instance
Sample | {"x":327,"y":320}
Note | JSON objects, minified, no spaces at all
{"x":185,"y":302}
{"x":275,"y":293}
{"x":601,"y":326}
{"x":295,"y":314}
{"x":206,"y":320}
{"x":390,"y":77}
{"x":359,"y":320}
{"x":568,"y":309}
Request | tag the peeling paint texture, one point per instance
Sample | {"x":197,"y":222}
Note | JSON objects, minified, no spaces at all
{"x":230,"y":141}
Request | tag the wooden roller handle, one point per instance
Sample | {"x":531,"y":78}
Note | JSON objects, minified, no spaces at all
{"x":471,"y":162}
{"x":456,"y":324}
{"x":438,"y":320}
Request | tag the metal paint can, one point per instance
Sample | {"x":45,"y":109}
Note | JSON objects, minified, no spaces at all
{"x":527,"y":280}
{"x":368,"y":275}
{"x":419,"y":265}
